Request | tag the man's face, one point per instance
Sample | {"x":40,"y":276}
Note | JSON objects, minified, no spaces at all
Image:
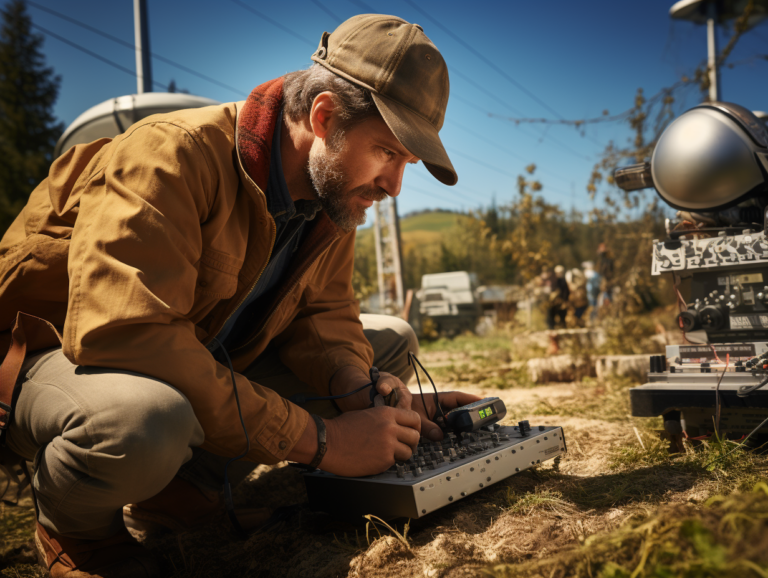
{"x":350,"y":169}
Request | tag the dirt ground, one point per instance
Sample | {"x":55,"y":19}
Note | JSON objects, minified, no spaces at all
{"x":616,"y":486}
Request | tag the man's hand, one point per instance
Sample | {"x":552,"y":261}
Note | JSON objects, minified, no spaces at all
{"x":406,"y":400}
{"x":367,"y":442}
{"x":448,"y":401}
{"x":349,"y":378}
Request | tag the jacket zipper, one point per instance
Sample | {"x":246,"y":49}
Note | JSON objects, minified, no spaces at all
{"x":299,"y":276}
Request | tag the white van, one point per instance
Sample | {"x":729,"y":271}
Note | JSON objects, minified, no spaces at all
{"x":449,"y":300}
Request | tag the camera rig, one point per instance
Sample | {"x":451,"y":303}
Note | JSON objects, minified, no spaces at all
{"x":711,"y":164}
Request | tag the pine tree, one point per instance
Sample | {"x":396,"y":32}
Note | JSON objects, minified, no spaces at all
{"x":28,"y":128}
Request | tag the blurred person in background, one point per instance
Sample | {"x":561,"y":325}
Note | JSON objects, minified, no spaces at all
{"x":592,"y":286}
{"x":605,"y":264}
{"x":557,"y":303}
{"x":577,"y":285}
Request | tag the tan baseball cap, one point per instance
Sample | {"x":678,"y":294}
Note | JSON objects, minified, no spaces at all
{"x":406,"y":75}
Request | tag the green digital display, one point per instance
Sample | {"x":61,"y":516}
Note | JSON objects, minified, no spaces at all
{"x":487,"y":412}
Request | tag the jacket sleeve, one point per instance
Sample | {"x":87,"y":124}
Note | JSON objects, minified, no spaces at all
{"x":328,"y":323}
{"x":133,"y":269}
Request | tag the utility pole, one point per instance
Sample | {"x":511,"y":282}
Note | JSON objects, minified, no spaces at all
{"x":714,"y":77}
{"x":141,"y":33}
{"x":389,"y":257}
{"x":712,"y":13}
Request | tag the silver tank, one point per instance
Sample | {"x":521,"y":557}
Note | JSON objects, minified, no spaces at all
{"x":710,"y":157}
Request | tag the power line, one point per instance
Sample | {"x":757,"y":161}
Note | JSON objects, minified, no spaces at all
{"x":485,"y":91}
{"x":503,"y":172}
{"x":273,"y":22}
{"x":132,"y":47}
{"x":491,"y":64}
{"x":543,"y":136}
{"x":325,"y":9}
{"x":482,"y":163}
{"x":364,"y":6}
{"x":504,"y":149}
{"x":449,"y":190}
{"x":476,"y":85}
{"x":489,"y":114}
{"x":434,"y":196}
{"x":90,"y":53}
{"x":483,"y":58}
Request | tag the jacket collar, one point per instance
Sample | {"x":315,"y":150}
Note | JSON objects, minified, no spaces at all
{"x":255,"y":128}
{"x":256,"y":124}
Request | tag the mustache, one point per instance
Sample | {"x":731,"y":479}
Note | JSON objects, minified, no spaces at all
{"x":371,"y":193}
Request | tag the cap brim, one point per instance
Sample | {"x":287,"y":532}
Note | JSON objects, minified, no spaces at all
{"x":419,"y":136}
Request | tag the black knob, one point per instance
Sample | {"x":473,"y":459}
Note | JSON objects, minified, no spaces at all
{"x":688,"y":321}
{"x":712,"y":317}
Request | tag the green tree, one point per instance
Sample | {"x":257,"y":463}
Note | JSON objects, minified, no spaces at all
{"x":28,"y":128}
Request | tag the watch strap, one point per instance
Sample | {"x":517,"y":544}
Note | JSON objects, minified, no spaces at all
{"x":321,"y":441}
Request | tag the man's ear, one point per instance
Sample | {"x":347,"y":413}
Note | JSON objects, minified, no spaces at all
{"x":321,"y":114}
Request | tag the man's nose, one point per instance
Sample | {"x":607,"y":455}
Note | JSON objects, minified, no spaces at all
{"x":392,"y":181}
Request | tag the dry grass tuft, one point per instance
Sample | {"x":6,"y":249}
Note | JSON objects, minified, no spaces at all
{"x":727,"y":537}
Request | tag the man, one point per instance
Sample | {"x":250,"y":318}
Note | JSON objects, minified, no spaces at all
{"x":200,"y":237}
{"x":557,"y":305}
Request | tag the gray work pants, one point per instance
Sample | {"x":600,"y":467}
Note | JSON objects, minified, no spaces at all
{"x":102,"y":438}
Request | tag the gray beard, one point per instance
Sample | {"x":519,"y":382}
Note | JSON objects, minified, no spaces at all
{"x":325,"y":171}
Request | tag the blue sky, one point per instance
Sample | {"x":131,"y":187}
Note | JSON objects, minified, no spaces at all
{"x":577,"y":58}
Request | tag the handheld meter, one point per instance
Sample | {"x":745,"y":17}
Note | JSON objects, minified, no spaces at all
{"x":473,"y":416}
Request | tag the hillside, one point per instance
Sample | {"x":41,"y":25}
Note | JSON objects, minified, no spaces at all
{"x":433,"y":222}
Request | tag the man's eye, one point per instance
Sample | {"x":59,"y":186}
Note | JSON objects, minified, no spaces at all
{"x":388,"y":152}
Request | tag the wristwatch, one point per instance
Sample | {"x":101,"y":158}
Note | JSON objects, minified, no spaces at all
{"x":321,"y":441}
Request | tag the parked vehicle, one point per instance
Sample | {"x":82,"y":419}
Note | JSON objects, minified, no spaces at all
{"x":450,"y":301}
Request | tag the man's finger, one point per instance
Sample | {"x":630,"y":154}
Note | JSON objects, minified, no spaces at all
{"x":431,"y":430}
{"x":403,"y":452}
{"x":387,"y":382}
{"x":408,"y":436}
{"x":408,"y":418}
{"x":404,"y":398}
{"x":383,"y":387}
{"x":451,"y":399}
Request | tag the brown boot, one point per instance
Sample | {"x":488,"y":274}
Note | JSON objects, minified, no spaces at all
{"x":117,"y":557}
{"x":182,"y":506}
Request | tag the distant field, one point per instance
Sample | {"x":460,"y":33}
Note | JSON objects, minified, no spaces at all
{"x":437,"y":221}
{"x":431,"y":222}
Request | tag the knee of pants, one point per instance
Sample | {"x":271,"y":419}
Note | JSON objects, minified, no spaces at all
{"x":143,"y":438}
{"x":406,"y":341}
{"x":406,"y":332}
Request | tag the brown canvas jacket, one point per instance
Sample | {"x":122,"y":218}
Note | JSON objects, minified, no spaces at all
{"x":139,"y":248}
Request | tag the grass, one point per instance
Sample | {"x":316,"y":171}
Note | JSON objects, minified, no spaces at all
{"x":432,"y":221}
{"x":645,"y":513}
{"x":638,"y":477}
{"x":467,"y":343}
{"x":726,"y":537}
{"x":607,"y":402}
{"x":511,"y":375}
{"x":17,"y":529}
{"x":540,"y":499}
